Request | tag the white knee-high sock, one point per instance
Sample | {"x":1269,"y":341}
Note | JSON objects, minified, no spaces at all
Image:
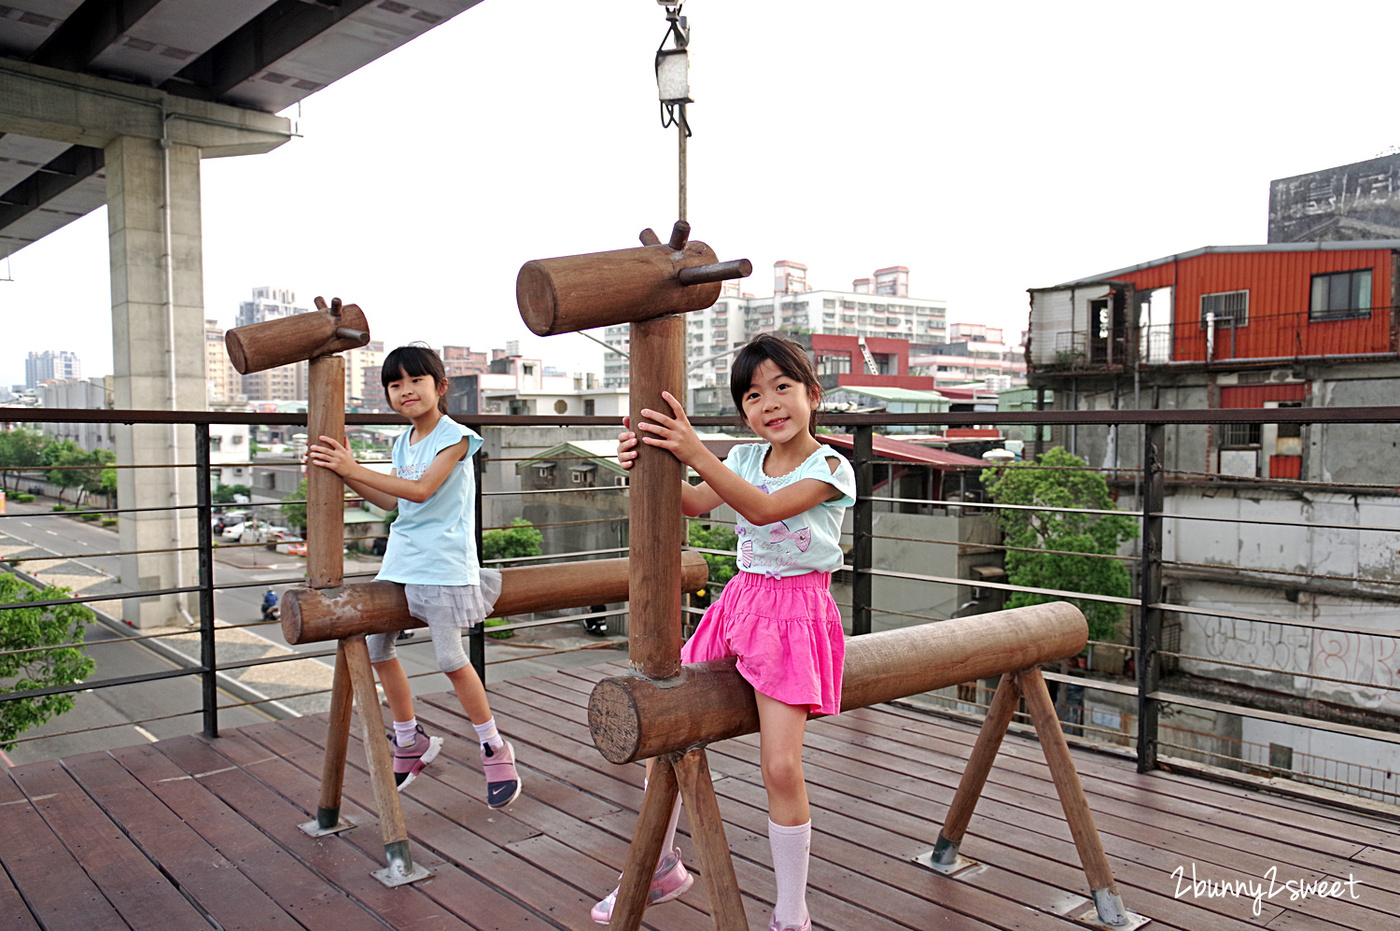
{"x":669,"y":844}
{"x":791,"y":848}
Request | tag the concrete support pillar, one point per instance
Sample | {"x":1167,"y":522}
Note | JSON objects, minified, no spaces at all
{"x":153,"y":217}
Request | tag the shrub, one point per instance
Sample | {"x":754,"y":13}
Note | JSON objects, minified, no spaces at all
{"x":112,"y":522}
{"x":21,"y":669}
{"x":24,"y":499}
{"x":499,"y":634}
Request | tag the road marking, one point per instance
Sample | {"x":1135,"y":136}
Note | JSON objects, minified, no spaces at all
{"x":145,"y":733}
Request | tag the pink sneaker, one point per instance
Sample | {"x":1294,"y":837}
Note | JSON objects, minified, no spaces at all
{"x":670,"y":881}
{"x":502,"y":781}
{"x":410,"y":761}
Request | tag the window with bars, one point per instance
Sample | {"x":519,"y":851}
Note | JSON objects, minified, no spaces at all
{"x":1341,"y":295}
{"x":1240,"y":435}
{"x":1228,"y":308}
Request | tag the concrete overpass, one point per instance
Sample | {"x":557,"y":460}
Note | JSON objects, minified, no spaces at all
{"x":115,"y":102}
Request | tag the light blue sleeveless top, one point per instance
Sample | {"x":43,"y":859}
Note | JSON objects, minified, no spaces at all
{"x":434,"y":543}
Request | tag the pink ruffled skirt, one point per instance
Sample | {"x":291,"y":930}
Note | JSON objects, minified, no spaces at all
{"x":786,"y":634}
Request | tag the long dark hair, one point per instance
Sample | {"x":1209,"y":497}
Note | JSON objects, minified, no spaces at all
{"x":790,"y":358}
{"x":415,"y":360}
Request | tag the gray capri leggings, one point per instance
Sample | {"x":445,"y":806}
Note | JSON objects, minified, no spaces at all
{"x":447,"y":644}
{"x":447,"y":610}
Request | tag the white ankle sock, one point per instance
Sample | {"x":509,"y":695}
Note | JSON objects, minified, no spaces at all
{"x":486,"y":733}
{"x":406,"y":732}
{"x":791,"y":848}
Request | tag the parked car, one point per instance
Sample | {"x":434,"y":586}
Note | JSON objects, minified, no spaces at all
{"x":250,"y":531}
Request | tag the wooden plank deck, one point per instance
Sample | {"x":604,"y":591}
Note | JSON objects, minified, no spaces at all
{"x":192,"y":834}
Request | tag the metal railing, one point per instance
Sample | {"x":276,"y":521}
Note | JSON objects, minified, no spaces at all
{"x":1144,"y":676}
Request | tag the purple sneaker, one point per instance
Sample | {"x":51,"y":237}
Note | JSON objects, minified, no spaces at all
{"x":670,"y":881}
{"x":410,"y":761}
{"x":502,"y":781}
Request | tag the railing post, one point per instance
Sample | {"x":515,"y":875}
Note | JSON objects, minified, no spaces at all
{"x":208,"y":657}
{"x":862,"y":530}
{"x":476,"y":636}
{"x":1150,"y":582}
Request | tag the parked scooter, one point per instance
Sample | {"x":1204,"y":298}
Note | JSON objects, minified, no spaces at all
{"x":270,"y":609}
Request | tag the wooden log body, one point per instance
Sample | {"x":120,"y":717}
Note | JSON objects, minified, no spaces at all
{"x":633,"y":718}
{"x":261,"y":346}
{"x":577,"y":292}
{"x":312,"y":616}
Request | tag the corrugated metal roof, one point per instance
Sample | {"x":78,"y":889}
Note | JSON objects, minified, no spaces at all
{"x":889,"y":448}
{"x":893,"y":394}
{"x":1349,"y":246}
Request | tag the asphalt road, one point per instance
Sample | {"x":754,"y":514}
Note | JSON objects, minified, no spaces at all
{"x":118,"y":717}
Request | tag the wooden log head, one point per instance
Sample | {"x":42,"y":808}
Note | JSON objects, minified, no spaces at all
{"x":578,"y":292}
{"x":329,"y":329}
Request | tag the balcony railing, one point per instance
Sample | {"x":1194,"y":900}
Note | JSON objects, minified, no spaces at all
{"x":1257,"y":337}
{"x":1159,"y":691}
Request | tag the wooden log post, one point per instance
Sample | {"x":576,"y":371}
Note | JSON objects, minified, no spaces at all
{"x":328,"y":819}
{"x":1076,"y":807}
{"x":944,"y":856}
{"x":400,"y":869}
{"x":317,"y":337}
{"x":648,"y":287}
{"x":325,"y":491}
{"x":655,"y":523}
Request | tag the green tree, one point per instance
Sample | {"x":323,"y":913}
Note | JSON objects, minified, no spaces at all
{"x":20,"y":449}
{"x":107,"y":478}
{"x":519,"y":539}
{"x":1063,"y":549}
{"x":719,"y":537}
{"x":71,"y":466}
{"x":224,"y":494}
{"x":294,"y":513}
{"x":23,"y":629}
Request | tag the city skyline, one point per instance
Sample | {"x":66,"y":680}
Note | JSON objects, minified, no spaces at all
{"x":966,"y":144}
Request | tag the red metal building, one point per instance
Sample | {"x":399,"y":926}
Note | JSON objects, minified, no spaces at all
{"x":1224,"y":304}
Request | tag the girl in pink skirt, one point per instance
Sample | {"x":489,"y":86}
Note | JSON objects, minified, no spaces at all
{"x":776,"y":615}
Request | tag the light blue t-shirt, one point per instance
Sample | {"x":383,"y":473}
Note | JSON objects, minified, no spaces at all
{"x":807,"y":542}
{"x":434,"y":542}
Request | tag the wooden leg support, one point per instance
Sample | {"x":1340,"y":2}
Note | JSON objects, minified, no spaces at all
{"x":711,"y":846}
{"x":401,"y":869}
{"x":944,"y":856}
{"x":1109,"y":905}
{"x":328,"y":820}
{"x":655,"y":815}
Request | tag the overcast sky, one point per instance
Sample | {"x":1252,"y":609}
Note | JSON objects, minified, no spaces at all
{"x":988,"y":147}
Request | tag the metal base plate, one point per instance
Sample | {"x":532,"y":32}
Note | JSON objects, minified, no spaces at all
{"x":392,"y":875}
{"x":951,"y":869}
{"x":1091,"y":918}
{"x":314,"y":828}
